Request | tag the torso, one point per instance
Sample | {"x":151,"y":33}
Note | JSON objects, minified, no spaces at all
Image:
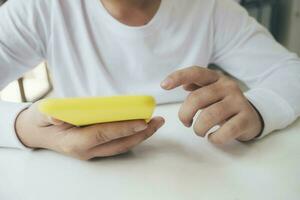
{"x":93,"y":54}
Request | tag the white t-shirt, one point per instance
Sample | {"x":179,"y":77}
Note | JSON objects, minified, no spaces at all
{"x":92,"y":54}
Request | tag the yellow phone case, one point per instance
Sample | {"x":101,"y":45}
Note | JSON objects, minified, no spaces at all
{"x":87,"y":111}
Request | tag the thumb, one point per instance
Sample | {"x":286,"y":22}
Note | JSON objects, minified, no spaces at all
{"x":54,"y":121}
{"x":45,"y":120}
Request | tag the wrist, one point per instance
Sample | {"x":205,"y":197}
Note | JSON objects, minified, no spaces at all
{"x":20,"y":128}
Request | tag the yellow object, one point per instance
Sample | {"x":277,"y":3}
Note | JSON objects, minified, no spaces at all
{"x":87,"y":111}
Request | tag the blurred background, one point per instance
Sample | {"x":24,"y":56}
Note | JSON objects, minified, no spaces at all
{"x":281,"y":17}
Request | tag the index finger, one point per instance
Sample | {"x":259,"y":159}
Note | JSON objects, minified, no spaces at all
{"x":193,"y":75}
{"x":106,"y":132}
{"x":98,"y":134}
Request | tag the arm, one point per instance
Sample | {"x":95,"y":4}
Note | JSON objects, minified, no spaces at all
{"x":21,"y":48}
{"x":246,"y":50}
{"x":23,"y":39}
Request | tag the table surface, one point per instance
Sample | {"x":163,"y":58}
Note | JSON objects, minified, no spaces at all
{"x":174,"y":164}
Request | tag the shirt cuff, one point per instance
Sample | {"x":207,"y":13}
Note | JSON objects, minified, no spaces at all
{"x":275,"y":111}
{"x":8,"y":114}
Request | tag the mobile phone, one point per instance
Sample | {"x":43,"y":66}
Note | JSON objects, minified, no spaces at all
{"x":94,"y":110}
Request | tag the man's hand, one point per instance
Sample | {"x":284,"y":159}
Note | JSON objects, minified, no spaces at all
{"x":35,"y":130}
{"x":221,"y":101}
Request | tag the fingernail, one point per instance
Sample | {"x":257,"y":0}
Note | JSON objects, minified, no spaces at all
{"x":166,"y":83}
{"x":141,"y":128}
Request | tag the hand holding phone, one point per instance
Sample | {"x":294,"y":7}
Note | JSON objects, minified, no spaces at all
{"x":87,"y":111}
{"x":37,"y":130}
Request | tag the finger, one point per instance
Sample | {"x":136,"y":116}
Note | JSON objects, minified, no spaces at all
{"x":197,"y":100}
{"x":214,"y":115}
{"x":106,"y":132}
{"x":61,"y":127}
{"x":190,"y":87}
{"x":54,"y":121}
{"x":103,"y":133}
{"x":78,"y":140}
{"x":125,"y":144}
{"x":60,"y":136}
{"x":196,"y":75}
{"x":231,"y":130}
{"x":44,"y":120}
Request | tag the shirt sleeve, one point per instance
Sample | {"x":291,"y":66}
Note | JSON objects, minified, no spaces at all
{"x":247,"y":51}
{"x":22,"y":47}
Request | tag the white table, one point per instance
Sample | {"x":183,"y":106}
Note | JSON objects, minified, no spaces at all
{"x":175,"y":164}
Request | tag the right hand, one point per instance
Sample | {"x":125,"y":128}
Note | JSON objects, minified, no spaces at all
{"x":36,"y":130}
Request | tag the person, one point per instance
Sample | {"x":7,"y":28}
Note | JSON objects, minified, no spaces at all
{"x":114,"y":47}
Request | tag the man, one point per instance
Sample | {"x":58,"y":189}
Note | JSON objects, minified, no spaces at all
{"x":113,"y":47}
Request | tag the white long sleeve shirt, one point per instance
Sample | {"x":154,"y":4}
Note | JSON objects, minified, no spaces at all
{"x":92,"y":54}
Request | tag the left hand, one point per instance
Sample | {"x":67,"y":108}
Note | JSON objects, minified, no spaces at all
{"x":222,"y":103}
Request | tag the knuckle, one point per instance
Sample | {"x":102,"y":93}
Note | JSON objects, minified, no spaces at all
{"x":237,"y":102}
{"x":101,"y":137}
{"x":213,"y":89}
{"x":193,"y":96}
{"x":210,"y":93}
{"x":177,"y":73}
{"x":231,"y":85}
{"x":245,"y":122}
{"x":216,"y":140}
{"x":239,"y":97}
{"x":73,"y":150}
{"x":221,"y":109}
{"x":233,"y":129}
{"x":69,"y":149}
{"x":182,"y":115}
{"x":209,"y":115}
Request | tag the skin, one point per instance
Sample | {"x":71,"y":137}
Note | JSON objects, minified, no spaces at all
{"x":101,"y":140}
{"x":222,"y":103}
{"x":36,"y":130}
{"x":132,"y":12}
{"x":220,"y":98}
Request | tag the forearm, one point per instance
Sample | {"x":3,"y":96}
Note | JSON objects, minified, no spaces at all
{"x":277,"y":96}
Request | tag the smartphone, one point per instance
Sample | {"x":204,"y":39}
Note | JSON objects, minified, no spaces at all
{"x":94,"y":110}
